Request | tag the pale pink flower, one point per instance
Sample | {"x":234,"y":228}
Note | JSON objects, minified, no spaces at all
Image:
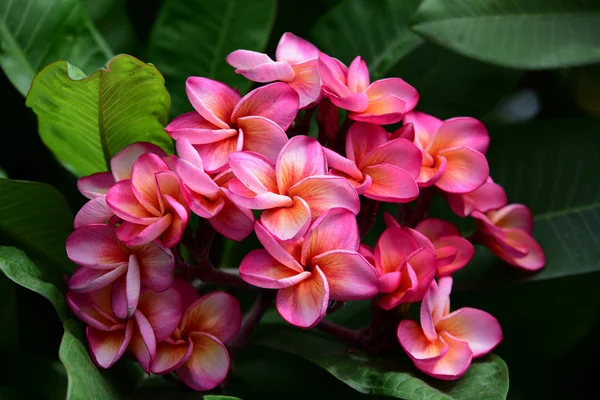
{"x":507,"y":233}
{"x":151,"y":203}
{"x":453,"y":152}
{"x":383,"y":102}
{"x":109,"y":336}
{"x":296,"y":65}
{"x":95,"y":186}
{"x":196,"y":349}
{"x":105,"y":260}
{"x":378,"y":167}
{"x":444,"y":343}
{"x":489,"y":196}
{"x":324,"y":264}
{"x":209,"y":197}
{"x":224,"y":122}
{"x":294,"y":191}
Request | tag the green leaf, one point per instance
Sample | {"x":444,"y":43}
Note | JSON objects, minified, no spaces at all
{"x":193,"y":37}
{"x":211,"y":397}
{"x":35,"y":217}
{"x":34,"y":33}
{"x":87,"y":120}
{"x":3,"y":174}
{"x":85,"y":380}
{"x":486,"y":379}
{"x":377,"y":30}
{"x":550,"y":166}
{"x":531,"y":34}
{"x":9,"y":334}
{"x":110,"y":16}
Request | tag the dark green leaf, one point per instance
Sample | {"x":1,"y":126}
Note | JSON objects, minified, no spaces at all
{"x":486,"y":378}
{"x":9,"y":334}
{"x":110,"y":16}
{"x":531,"y":34}
{"x":209,"y":397}
{"x":87,"y":120}
{"x":193,"y":37}
{"x":35,"y":217}
{"x":3,"y":174}
{"x":35,"y":33}
{"x":39,"y":376}
{"x":377,"y":30}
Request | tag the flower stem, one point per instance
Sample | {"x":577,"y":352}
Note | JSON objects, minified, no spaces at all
{"x":341,"y":332}
{"x":367,"y":216}
{"x":420,"y":211}
{"x":251,"y":320}
{"x":340,"y":139}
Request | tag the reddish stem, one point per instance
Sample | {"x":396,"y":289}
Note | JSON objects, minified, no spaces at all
{"x":420,"y":211}
{"x":356,"y":337}
{"x":251,"y":320}
{"x":367,"y":216}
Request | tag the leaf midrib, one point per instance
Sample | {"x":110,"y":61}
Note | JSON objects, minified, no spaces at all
{"x":478,"y":18}
{"x":567,"y":211}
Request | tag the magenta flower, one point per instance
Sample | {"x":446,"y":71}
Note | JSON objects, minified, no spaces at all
{"x":382,"y":102}
{"x":444,"y":344}
{"x":380,"y":168}
{"x":109,"y":336}
{"x":406,"y":264}
{"x":105,"y":260}
{"x":196,"y":350}
{"x":489,"y":196}
{"x":224,"y":122}
{"x":324,"y":264}
{"x":296,"y":65}
{"x":294,"y":191}
{"x":151,"y":203}
{"x":95,"y":186}
{"x":209,"y":197}
{"x":453,"y":152}
{"x":507,"y":233}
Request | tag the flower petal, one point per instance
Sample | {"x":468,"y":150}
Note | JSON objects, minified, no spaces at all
{"x":460,"y":132}
{"x":335,"y":230}
{"x":122,"y":162}
{"x":275,"y":248}
{"x":399,"y":152}
{"x":451,"y":365}
{"x":193,"y":176}
{"x":245,"y":198}
{"x":216,"y":313}
{"x":95,"y":211}
{"x":305,"y":303}
{"x":294,"y":49}
{"x":134,"y":235}
{"x":96,"y":246}
{"x":126,"y":290}
{"x":462,"y":251}
{"x":214,"y":100}
{"x":300,"y":158}
{"x":363,"y":138}
{"x":349,"y":275}
{"x":425,"y":126}
{"x":263,"y":136}
{"x":466,"y":170}
{"x":383,"y":111}
{"x":143,"y":342}
{"x":391,"y":184}
{"x":532,"y":260}
{"x":489,"y":196}
{"x":276,"y":101}
{"x":429,"y":176}
{"x":106,"y":347}
{"x":307,"y":84}
{"x":172,"y":235}
{"x":247,"y":59}
{"x":358,"y":75}
{"x":170,"y":356}
{"x":207,"y":365}
{"x":479,"y":329}
{"x":325,"y":192}
{"x":95,"y":185}
{"x":393,"y":248}
{"x":354,"y":102}
{"x":260,"y":269}
{"x":269,"y":72}
{"x":395,"y":87}
{"x":156,"y":266}
{"x":143,"y":181}
{"x":87,"y":310}
{"x":417,"y":345}
{"x":193,"y":127}
{"x":86,"y":280}
{"x":233,"y":222}
{"x":255,"y":171}
{"x":342,"y":164}
{"x":287,"y":223}
{"x":122,"y":201}
{"x":333,"y":76}
{"x":423,"y":263}
{"x":513,"y":216}
{"x":163,"y":310}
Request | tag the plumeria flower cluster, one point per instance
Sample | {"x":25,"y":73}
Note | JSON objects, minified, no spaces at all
{"x":246,"y":165}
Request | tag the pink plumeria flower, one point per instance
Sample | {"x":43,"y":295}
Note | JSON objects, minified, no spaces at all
{"x":377,"y":167}
{"x":453,"y":152}
{"x":209,"y":197}
{"x":444,"y":344}
{"x":294,"y":191}
{"x":406,"y":264}
{"x":196,"y":350}
{"x":324,"y":264}
{"x":224,"y":122}
{"x":105,"y":260}
{"x":296,"y":65}
{"x":95,"y":186}
{"x":151,"y":203}
{"x":382,"y":102}
{"x":109,"y":336}
{"x":507,"y":233}
{"x":489,"y":196}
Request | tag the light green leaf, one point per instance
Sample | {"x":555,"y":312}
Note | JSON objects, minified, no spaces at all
{"x":34,"y":33}
{"x":376,"y":30}
{"x":3,"y":174}
{"x":87,"y":120}
{"x":530,"y":34}
{"x":193,"y":37}
{"x":36,"y":218}
{"x":486,"y":379}
{"x":110,"y":16}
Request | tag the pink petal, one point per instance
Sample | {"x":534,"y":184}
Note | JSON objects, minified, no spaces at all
{"x":342,"y":164}
{"x":95,"y":185}
{"x":276,"y":249}
{"x":391,"y":184}
{"x":307,"y":84}
{"x":435,"y":228}
{"x":126,"y":290}
{"x":276,"y":101}
{"x":395,"y":87}
{"x":88,"y":310}
{"x":193,"y":127}
{"x":269,"y":72}
{"x":186,"y":291}
{"x":163,"y":310}
{"x":170,"y":356}
{"x":336,"y":229}
{"x":390,"y":281}
{"x":466,"y":170}
{"x":417,"y":345}
{"x":383,"y":111}
{"x":217,"y":313}
{"x":144,"y":181}
{"x":245,"y":198}
{"x":358,"y":75}
{"x":305,"y":303}
{"x":96,"y":246}
{"x":207,"y":365}
{"x":399,"y":152}
{"x":143,"y":342}
{"x":233,"y":222}
{"x":254,"y":170}
{"x":452,"y":365}
{"x":429,"y":176}
{"x":333,"y":76}
{"x":246,"y":59}
{"x":354,"y":102}
{"x":406,"y":131}
{"x":122,"y":162}
{"x":423,"y":263}
{"x":86,"y":280}
{"x":513,"y":216}
{"x":260,"y":269}
{"x":367,"y":253}
{"x":463,"y":252}
{"x":460,"y":132}
{"x":216,"y":155}
{"x":323,"y":193}
{"x":172,"y":235}
{"x":429,"y":305}
{"x":263,"y":136}
{"x":213,"y":100}
{"x":407,"y":283}
{"x":294,"y":49}
{"x":195,"y":179}
{"x":363,"y":138}
{"x":300,"y":158}
{"x":122,"y":201}
{"x":425,"y":126}
{"x":134,"y":235}
{"x":287,"y":223}
{"x":156,"y":266}
{"x":440,"y":306}
{"x":393,"y":248}
{"x":479,"y":329}
{"x":95,"y":211}
{"x":349,"y":275}
{"x":204,"y":207}
{"x":533,"y":259}
{"x":489,"y":196}
{"x":106,"y":347}
{"x":422,"y":240}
